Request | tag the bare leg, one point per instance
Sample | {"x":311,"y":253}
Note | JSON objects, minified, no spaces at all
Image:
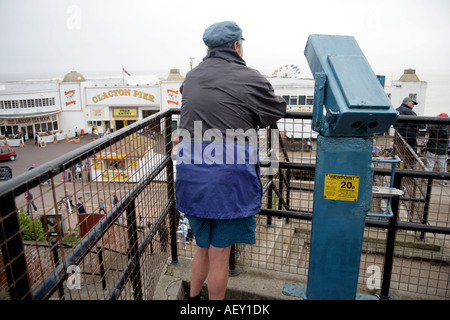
{"x":218,"y":272}
{"x":214,"y":261}
{"x":200,"y":269}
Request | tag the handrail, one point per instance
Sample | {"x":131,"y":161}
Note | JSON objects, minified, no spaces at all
{"x":95,"y":234}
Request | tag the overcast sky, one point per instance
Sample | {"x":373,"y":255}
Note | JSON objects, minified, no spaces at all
{"x":56,"y":36}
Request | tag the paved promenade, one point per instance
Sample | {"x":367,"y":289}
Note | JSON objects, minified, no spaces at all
{"x":30,"y":154}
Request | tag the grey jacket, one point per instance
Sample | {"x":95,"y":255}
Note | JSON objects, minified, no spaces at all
{"x":222,"y":93}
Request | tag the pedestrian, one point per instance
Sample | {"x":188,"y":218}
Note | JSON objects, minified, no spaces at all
{"x":408,"y":131}
{"x":221,"y":97}
{"x":115,"y":199}
{"x":78,"y":172}
{"x":115,"y":202}
{"x":189,"y":235}
{"x":76,"y":132}
{"x":101,"y":206}
{"x":182,"y":232}
{"x":68,"y":196}
{"x":437,"y":146}
{"x":80,"y":206}
{"x":29,"y":198}
{"x":36,"y":140}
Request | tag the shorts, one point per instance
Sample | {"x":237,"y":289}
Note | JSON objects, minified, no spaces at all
{"x":222,"y":233}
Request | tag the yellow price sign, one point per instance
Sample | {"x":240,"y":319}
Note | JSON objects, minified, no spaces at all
{"x":341,"y":187}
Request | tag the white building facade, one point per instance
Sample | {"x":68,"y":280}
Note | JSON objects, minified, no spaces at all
{"x":50,"y":107}
{"x":299,"y":93}
{"x":53,"y":107}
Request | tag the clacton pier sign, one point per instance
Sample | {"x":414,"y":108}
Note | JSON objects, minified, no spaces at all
{"x":123,"y":96}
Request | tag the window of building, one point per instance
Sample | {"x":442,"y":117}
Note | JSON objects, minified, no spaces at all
{"x":29,"y":103}
{"x":413,"y":96}
{"x":301,"y":100}
{"x":293,"y":100}
{"x":94,"y":123}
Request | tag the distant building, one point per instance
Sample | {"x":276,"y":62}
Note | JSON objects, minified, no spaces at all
{"x":97,"y":104}
{"x":409,"y":85}
{"x":299,"y":93}
{"x":51,"y":105}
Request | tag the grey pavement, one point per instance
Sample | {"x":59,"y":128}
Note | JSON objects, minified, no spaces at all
{"x":30,"y":154}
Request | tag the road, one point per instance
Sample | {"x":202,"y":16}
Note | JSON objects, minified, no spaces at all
{"x":30,"y":154}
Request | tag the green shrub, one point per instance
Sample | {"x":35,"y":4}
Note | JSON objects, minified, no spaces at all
{"x":31,"y":230}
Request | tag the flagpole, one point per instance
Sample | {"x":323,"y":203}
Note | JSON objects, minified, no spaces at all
{"x":123,"y":77}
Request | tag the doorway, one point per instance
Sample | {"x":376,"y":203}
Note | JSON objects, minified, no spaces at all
{"x":28,"y":132}
{"x":119,"y":124}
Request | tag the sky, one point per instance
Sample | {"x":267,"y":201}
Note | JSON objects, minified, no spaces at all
{"x":98,"y":37}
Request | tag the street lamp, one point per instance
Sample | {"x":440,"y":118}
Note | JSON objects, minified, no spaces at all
{"x":192,"y":60}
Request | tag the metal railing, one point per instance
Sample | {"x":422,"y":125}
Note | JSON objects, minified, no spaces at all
{"x":57,"y":252}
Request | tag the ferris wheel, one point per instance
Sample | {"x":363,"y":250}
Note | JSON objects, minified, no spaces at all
{"x":286,"y":71}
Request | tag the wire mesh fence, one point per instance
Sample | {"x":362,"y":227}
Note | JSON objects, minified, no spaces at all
{"x":420,"y":265}
{"x":101,"y":222}
{"x":92,"y":220}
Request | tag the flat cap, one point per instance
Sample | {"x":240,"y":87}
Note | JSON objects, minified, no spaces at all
{"x":221,"y":33}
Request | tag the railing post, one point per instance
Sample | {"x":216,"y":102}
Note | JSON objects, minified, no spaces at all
{"x":281,"y":189}
{"x":134,"y":247}
{"x":383,"y":294}
{"x":232,"y":269}
{"x":12,"y":250}
{"x":288,"y":188}
{"x":270,"y":177}
{"x":426,"y":207}
{"x":171,"y":192}
{"x":102,"y":266}
{"x":54,"y":245}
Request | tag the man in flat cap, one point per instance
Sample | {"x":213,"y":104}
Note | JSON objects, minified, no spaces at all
{"x":220,"y":190}
{"x":408,"y":130}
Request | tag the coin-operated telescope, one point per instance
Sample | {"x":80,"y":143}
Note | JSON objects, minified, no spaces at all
{"x":355,"y":102}
{"x":350,"y":106}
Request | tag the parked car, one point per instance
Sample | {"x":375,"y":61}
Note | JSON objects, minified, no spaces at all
{"x":7,"y":153}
